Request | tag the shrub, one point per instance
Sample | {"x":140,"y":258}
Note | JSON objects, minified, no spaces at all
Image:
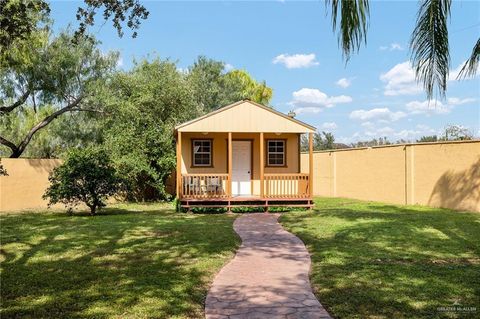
{"x":87,"y":176}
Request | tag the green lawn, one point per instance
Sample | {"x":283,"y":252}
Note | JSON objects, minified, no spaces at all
{"x":373,"y":260}
{"x":133,"y":261}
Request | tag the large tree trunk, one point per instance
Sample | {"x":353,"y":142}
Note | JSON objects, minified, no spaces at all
{"x":93,"y":209}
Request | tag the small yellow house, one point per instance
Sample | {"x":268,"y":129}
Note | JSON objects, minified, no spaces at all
{"x":243,"y":154}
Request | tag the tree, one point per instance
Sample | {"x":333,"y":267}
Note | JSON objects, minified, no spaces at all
{"x":373,"y":142}
{"x":144,"y":105}
{"x":19,"y":18}
{"x":214,"y":87}
{"x":321,"y":141}
{"x":456,"y":133}
{"x":430,"y":53}
{"x":239,"y":85}
{"x":87,"y":176}
{"x":206,"y":78}
{"x":71,"y":130}
{"x":60,"y":77}
{"x":429,"y":138}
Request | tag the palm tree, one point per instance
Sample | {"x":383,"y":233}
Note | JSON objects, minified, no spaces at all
{"x":430,"y":53}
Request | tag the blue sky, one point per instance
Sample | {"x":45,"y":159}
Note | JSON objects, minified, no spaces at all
{"x":291,"y":46}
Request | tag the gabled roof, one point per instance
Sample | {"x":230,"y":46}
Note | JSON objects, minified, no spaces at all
{"x":245,"y":116}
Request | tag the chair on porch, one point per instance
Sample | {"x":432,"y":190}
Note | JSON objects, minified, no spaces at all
{"x":193,"y":186}
{"x":214,"y":185}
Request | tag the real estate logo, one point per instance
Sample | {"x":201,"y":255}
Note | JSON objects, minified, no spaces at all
{"x":458,"y":308}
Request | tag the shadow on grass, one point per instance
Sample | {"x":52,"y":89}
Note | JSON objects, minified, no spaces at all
{"x":378,"y":260}
{"x":118,"y":264}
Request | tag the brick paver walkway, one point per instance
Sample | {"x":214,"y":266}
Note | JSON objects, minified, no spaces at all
{"x":268,"y":278}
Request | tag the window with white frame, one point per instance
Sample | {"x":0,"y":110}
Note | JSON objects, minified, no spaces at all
{"x":275,"y":152}
{"x":201,"y":152}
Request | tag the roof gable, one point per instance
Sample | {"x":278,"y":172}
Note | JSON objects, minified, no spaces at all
{"x":245,"y":116}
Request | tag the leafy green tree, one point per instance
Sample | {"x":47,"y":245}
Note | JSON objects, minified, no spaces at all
{"x":60,"y":77}
{"x":429,"y":138}
{"x":456,"y":133}
{"x":240,"y":85}
{"x":328,"y":141}
{"x":375,"y":142}
{"x":19,"y":18}
{"x":87,"y":176}
{"x":321,"y":141}
{"x":206,"y":79}
{"x":430,"y":52}
{"x":213,"y":86}
{"x":71,"y":130}
{"x":144,"y":105}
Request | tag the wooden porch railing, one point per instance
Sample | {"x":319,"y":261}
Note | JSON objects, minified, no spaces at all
{"x":204,"y":185}
{"x":286,"y":186}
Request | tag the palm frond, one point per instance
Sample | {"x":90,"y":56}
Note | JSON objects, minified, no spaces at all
{"x":354,"y":16}
{"x":470,"y":67}
{"x":430,"y":53}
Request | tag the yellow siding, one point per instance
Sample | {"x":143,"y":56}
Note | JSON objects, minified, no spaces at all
{"x":245,"y":117}
{"x":437,"y":174}
{"x":219,"y":141}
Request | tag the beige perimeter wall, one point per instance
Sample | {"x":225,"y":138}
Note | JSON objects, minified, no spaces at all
{"x":25,"y":184}
{"x":437,"y":174}
{"x":434,"y":174}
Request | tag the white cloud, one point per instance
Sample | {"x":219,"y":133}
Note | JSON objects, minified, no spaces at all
{"x":313,"y":100}
{"x":308,"y":109}
{"x":368,"y":125}
{"x":392,"y":47}
{"x":330,"y":126}
{"x":296,"y":61}
{"x":396,"y":46}
{"x":380,"y":132}
{"x":458,"y":101}
{"x":428,"y":107}
{"x":400,"y":80}
{"x":419,"y":131}
{"x":391,"y":134}
{"x":344,"y":83}
{"x":228,"y":67}
{"x":436,"y":107}
{"x":377,"y":114}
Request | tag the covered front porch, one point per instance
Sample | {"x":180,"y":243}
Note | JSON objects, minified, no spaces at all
{"x":227,"y":169}
{"x":248,"y":165}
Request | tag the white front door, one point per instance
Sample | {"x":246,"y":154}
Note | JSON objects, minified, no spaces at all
{"x":241,"y":168}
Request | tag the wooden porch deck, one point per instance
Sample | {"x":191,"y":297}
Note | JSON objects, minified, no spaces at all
{"x":213,"y":191}
{"x":245,"y":201}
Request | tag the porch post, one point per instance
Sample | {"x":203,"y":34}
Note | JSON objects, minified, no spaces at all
{"x":179,"y":165}
{"x":310,"y":164}
{"x":229,"y":187}
{"x":262,"y":164}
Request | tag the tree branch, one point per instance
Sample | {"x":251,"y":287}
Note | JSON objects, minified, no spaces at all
{"x":21,"y":147}
{"x":8,"y":144}
{"x":20,"y":101}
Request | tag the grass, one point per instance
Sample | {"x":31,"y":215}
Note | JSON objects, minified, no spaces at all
{"x":132,"y":261}
{"x":373,"y":260}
